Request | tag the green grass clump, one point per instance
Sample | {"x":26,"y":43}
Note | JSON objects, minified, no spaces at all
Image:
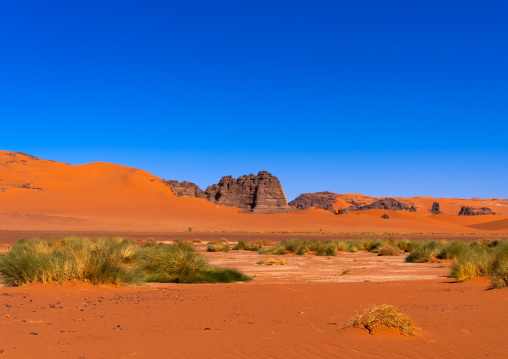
{"x":471,"y":265}
{"x":248,"y":246}
{"x":499,"y":275}
{"x":109,"y":260}
{"x":181,"y":263}
{"x":98,"y":261}
{"x":370,"y":245}
{"x":483,"y":260}
{"x":454,"y":250}
{"x":425,"y":252}
{"x":217,"y":247}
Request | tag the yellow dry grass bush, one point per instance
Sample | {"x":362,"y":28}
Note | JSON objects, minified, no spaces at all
{"x":383,"y":317}
{"x":388,"y":250}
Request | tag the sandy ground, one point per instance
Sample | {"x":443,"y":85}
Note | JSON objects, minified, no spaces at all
{"x":293,"y":311}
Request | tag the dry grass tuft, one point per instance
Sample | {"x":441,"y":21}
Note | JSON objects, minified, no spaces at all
{"x":388,"y":250}
{"x":383,"y":317}
{"x":273,"y":262}
{"x":347,"y":271}
{"x":217,"y":247}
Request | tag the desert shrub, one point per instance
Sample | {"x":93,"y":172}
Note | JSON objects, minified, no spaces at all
{"x":273,"y":262}
{"x":288,"y":246}
{"x":370,"y":245}
{"x":388,"y":250}
{"x":223,"y":240}
{"x":340,"y":246}
{"x":412,"y":245}
{"x":293,"y":245}
{"x":472,"y":264}
{"x":150,"y":242}
{"x":382,"y":317}
{"x":248,"y":246}
{"x":425,"y":252}
{"x":454,"y":249}
{"x":181,"y":264}
{"x":499,"y":276}
{"x":196,"y":241}
{"x":217,"y":247}
{"x":321,"y":248}
{"x":99,"y":261}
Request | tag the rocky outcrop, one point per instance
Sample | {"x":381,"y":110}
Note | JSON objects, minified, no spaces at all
{"x":412,"y":208}
{"x":385,"y":216}
{"x":320,"y":200}
{"x":475,"y":211}
{"x":385,"y":203}
{"x":435,"y":208}
{"x":252,"y":194}
{"x":184,"y":189}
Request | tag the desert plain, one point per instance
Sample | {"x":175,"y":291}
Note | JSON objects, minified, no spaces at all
{"x":297,"y":310}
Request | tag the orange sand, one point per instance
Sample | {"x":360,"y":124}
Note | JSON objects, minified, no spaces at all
{"x":265,"y":318}
{"x":109,"y":197}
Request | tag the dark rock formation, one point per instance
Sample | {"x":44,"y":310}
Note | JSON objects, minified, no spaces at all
{"x":475,"y":211}
{"x":385,"y":216}
{"x":319,"y":200}
{"x":385,"y":203}
{"x":412,"y":208}
{"x":435,"y":208}
{"x":185,"y":189}
{"x":253,"y":194}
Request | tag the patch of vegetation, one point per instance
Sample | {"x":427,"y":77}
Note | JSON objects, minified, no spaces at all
{"x":248,"y":246}
{"x":181,"y":263}
{"x":273,"y":262}
{"x":217,"y":247}
{"x":384,"y":316}
{"x":388,"y":250}
{"x":347,"y":271}
{"x":109,"y":260}
{"x":425,"y":251}
{"x":98,"y":261}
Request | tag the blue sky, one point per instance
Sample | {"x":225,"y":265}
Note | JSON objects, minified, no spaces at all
{"x":384,"y":98}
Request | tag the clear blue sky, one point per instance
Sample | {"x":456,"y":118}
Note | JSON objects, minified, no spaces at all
{"x":384,"y":98}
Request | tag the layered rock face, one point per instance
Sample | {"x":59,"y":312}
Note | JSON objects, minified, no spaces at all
{"x":385,"y":203}
{"x":435,"y":208}
{"x":474,"y":211}
{"x":184,"y":189}
{"x":319,"y":200}
{"x":252,"y":194}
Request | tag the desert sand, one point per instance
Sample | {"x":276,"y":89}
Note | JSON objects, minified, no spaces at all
{"x":44,"y":195}
{"x":293,"y":311}
{"x":283,"y":313}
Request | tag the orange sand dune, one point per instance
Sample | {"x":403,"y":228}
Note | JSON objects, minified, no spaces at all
{"x":38,"y":194}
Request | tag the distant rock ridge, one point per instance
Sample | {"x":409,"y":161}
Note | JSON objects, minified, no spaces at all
{"x":261,"y":193}
{"x":185,"y":189}
{"x":475,"y":211}
{"x":319,"y":200}
{"x":385,"y":203}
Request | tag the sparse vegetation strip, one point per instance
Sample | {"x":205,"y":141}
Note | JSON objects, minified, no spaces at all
{"x":109,"y":260}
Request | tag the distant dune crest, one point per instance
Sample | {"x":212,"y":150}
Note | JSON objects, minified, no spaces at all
{"x":48,"y":195}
